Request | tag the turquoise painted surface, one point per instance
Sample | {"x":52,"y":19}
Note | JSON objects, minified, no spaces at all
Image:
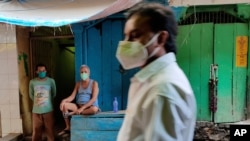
{"x":94,"y":136}
{"x":96,"y":45}
{"x":100,"y":127}
{"x":97,"y":124}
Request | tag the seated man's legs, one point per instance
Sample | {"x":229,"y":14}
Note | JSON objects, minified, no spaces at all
{"x":65,"y":110}
{"x":69,"y":109}
{"x":90,"y":111}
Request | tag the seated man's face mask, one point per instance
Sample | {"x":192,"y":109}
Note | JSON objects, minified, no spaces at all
{"x":134,"y":54}
{"x":84,"y":76}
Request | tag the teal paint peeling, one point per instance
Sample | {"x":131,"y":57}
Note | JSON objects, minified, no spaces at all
{"x":24,"y":56}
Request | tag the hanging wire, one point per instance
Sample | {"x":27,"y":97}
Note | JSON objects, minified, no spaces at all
{"x":60,"y":29}
{"x":195,"y":20}
{"x":71,"y":30}
{"x":11,"y":27}
{"x":34,"y":29}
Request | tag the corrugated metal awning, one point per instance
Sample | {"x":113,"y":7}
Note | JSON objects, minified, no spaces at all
{"x":55,"y":13}
{"x":204,"y":2}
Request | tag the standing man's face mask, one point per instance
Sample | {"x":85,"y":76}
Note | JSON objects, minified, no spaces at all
{"x":134,"y":54}
{"x":42,"y":74}
{"x":84,"y":76}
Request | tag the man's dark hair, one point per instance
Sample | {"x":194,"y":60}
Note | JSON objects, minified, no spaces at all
{"x":159,"y":18}
{"x":41,"y":65}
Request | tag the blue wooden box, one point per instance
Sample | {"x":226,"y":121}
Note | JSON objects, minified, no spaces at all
{"x":103,"y":126}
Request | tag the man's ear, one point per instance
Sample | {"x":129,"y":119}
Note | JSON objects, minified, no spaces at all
{"x":163,"y":37}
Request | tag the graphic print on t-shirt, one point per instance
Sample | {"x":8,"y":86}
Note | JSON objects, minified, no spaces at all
{"x":41,"y":96}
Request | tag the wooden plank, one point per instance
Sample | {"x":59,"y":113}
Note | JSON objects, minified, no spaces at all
{"x":93,"y":135}
{"x":116,"y":80}
{"x":94,"y":56}
{"x":195,"y":54}
{"x":100,"y":124}
{"x":195,"y":65}
{"x":103,"y":114}
{"x":79,"y":48}
{"x":239,"y":73}
{"x":183,"y":48}
{"x":207,"y":31}
{"x":106,"y":66}
{"x":223,"y":54}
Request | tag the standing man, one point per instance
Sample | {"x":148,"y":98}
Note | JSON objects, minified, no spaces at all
{"x":42,"y":90}
{"x":161,"y":104}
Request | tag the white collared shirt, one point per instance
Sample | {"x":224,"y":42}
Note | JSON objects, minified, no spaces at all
{"x":161,"y":104}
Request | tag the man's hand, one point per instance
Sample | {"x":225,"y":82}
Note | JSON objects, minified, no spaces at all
{"x":62,"y":104}
{"x":80,"y":110}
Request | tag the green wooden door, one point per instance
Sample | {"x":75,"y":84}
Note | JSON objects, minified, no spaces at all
{"x":201,"y":45}
{"x":195,"y":54}
{"x":232,"y":77}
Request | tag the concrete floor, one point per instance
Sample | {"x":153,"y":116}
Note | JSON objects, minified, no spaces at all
{"x":245,"y":122}
{"x":66,"y":137}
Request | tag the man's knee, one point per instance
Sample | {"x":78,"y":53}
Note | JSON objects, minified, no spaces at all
{"x":91,"y":110}
{"x":96,"y":109}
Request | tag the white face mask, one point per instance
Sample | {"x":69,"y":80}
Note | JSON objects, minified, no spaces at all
{"x":134,"y":54}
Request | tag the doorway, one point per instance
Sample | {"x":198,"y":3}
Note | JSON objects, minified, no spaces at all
{"x":54,"y":47}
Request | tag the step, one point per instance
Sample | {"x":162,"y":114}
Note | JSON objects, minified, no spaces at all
{"x":103,"y":126}
{"x":12,"y":137}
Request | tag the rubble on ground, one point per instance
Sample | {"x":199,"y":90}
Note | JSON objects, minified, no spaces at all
{"x":208,"y":131}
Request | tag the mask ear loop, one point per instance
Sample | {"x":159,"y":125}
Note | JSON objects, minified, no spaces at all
{"x":150,"y":42}
{"x":154,"y":52}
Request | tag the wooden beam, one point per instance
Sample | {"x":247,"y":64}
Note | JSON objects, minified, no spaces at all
{"x":52,"y":37}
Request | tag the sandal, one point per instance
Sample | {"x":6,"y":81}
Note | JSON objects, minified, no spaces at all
{"x":63,"y":132}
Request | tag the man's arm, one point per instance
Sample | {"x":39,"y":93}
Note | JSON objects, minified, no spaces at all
{"x":31,"y":90}
{"x":53,"y":88}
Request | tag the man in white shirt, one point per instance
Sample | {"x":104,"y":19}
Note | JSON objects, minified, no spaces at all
{"x":161,"y":104}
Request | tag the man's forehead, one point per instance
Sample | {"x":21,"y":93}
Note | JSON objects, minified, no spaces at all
{"x":41,"y":67}
{"x":84,"y":68}
{"x":137,"y":22}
